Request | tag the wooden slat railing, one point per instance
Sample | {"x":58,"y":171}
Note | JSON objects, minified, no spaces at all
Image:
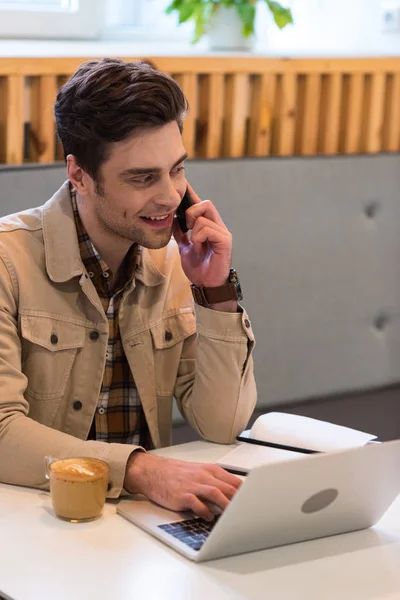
{"x":239,"y":107}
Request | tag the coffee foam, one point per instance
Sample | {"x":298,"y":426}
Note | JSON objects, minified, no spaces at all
{"x":78,"y":469}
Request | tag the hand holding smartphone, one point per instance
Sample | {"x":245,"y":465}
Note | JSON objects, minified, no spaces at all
{"x":206,"y":253}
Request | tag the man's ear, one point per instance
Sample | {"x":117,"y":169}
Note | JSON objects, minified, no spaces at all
{"x":81,"y":181}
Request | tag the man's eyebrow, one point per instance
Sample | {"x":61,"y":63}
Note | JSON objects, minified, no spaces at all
{"x":148,"y":170}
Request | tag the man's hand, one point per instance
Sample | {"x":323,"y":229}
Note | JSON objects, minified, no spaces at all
{"x":207,"y":255}
{"x":180,"y":485}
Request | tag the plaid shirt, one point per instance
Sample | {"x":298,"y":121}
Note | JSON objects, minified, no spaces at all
{"x":119,"y":416}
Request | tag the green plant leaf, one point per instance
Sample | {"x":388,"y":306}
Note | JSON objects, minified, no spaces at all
{"x":187,"y":11}
{"x":282,"y":16}
{"x":200,"y":12}
{"x":175,"y":5}
{"x":208,"y":11}
{"x":199,"y":21}
{"x":247,"y":13}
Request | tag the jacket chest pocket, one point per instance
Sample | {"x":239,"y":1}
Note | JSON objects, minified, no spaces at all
{"x":168,"y":336}
{"x":49,"y":348}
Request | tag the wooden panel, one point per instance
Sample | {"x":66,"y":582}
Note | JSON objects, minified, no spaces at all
{"x":236,"y":112}
{"x":211,"y":109}
{"x":260,"y":64}
{"x":61,"y":80}
{"x":330,"y":114}
{"x":3,"y":118}
{"x":286,"y":114}
{"x":391,"y":127}
{"x":248,"y":106}
{"x":374,"y":101}
{"x":43,"y":94}
{"x":261,"y":114}
{"x":309,"y":139}
{"x":12,"y":95}
{"x":212,"y":64}
{"x":352,"y":117}
{"x":300,"y":111}
{"x":188,"y":83}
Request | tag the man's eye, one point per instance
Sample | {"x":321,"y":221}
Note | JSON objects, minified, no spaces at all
{"x":178,"y":170}
{"x":145,"y":179}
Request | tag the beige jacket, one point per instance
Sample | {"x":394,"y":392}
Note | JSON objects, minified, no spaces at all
{"x":51,"y":368}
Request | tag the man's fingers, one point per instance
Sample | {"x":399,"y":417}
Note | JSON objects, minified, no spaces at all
{"x":201,"y":234}
{"x":223,"y":475}
{"x":218,"y":240}
{"x":207,"y":231}
{"x":211,"y":493}
{"x":193,"y":503}
{"x":228,"y":490}
{"x":203,"y":209}
{"x":202,"y":222}
{"x":181,"y":238}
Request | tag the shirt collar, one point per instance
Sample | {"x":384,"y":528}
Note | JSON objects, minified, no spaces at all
{"x":62,"y":251}
{"x":96,"y":267}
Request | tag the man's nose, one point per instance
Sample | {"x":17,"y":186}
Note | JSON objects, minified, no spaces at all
{"x":171,"y":196}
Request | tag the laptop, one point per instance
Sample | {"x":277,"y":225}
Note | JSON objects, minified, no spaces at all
{"x":282,"y":503}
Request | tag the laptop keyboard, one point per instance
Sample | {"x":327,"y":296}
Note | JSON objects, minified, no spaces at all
{"x":192,"y":532}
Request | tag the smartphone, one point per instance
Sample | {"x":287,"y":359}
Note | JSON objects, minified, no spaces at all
{"x":186,"y":203}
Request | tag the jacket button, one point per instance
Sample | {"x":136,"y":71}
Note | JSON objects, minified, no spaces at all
{"x":247,"y":322}
{"x":168,"y":336}
{"x":94,"y":335}
{"x":54,"y":338}
{"x":77,"y":405}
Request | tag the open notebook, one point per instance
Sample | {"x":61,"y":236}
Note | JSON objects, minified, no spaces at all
{"x":276,"y":437}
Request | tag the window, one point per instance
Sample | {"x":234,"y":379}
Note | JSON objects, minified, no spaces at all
{"x":51,"y":19}
{"x":34,"y":4}
{"x":143,"y":20}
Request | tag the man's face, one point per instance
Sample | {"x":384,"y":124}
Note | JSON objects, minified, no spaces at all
{"x":142,"y":184}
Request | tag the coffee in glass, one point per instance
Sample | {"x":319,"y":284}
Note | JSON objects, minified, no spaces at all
{"x":78,"y":487}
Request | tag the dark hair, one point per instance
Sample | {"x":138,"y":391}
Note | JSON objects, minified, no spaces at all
{"x":107,"y":101}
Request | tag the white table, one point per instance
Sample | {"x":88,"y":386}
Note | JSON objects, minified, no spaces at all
{"x":44,"y":558}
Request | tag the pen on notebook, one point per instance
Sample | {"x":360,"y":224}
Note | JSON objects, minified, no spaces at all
{"x":274,"y":445}
{"x":235,"y":471}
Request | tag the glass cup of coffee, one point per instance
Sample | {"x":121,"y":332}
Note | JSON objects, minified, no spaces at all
{"x":78,"y":487}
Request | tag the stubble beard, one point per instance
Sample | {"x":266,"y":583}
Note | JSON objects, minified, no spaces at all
{"x":136,"y":233}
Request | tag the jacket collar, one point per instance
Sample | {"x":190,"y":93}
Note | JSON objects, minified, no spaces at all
{"x":63,"y":259}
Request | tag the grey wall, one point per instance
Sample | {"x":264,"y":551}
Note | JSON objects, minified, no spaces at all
{"x":28,"y":186}
{"x":317,"y":248}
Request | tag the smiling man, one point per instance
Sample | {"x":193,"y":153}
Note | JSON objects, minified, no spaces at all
{"x":99,"y":330}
